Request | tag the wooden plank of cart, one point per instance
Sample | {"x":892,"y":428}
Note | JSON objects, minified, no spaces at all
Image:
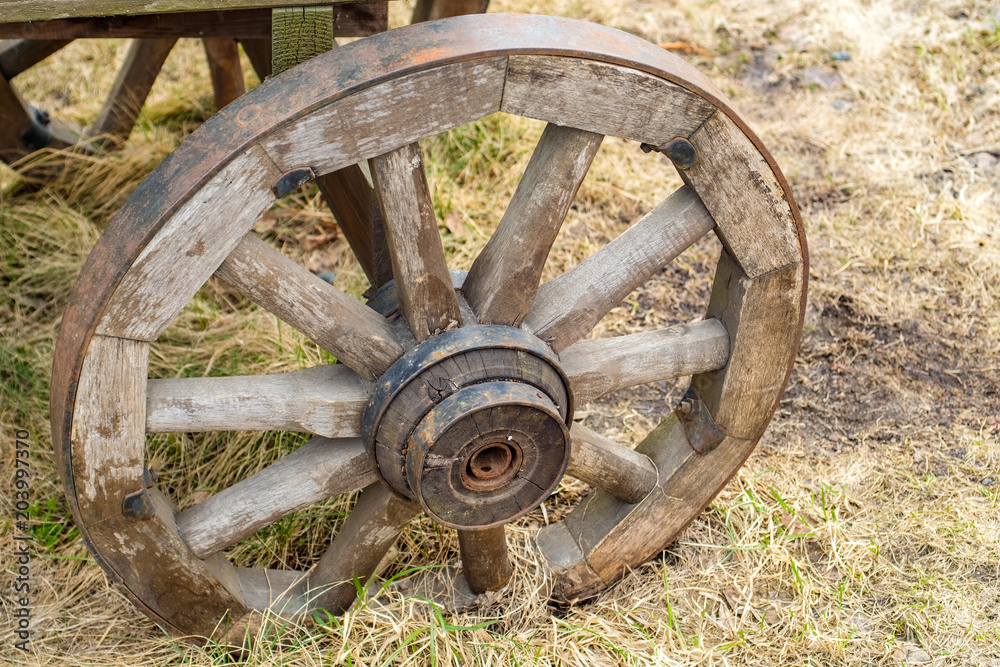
{"x":456,"y":390}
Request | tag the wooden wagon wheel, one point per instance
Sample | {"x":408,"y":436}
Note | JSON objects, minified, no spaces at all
{"x":457,"y":403}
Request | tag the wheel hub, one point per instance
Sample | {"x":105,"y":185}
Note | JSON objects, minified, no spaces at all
{"x":472,"y":424}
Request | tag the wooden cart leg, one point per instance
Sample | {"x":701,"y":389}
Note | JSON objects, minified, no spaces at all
{"x":259,"y":51}
{"x":300,"y":33}
{"x":429,"y":10}
{"x":25,"y":129}
{"x":225,"y":70}
{"x":17,"y":55}
{"x":17,"y":121}
{"x":135,"y":80}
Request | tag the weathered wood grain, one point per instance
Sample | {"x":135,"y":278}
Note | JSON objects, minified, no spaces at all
{"x":503,"y":280}
{"x":41,"y":10}
{"x":569,"y":306}
{"x":325,"y":400}
{"x":201,"y":596}
{"x":740,"y":189}
{"x":393,"y":114}
{"x":597,"y":367}
{"x":423,"y":282}
{"x":298,"y":34}
{"x":600,"y":97}
{"x":357,"y":19}
{"x":187,"y":251}
{"x":17,"y":55}
{"x":613,"y":534}
{"x":280,"y":591}
{"x":319,"y":469}
{"x":572,"y":578}
{"x":341,"y":325}
{"x":109,"y":438}
{"x":366,"y":536}
{"x":606,"y":465}
{"x":128,"y":94}
{"x":764,"y":320}
{"x":225,"y":69}
{"x":485,"y":561}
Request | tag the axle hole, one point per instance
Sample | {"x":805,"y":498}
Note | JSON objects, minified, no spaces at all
{"x":490,"y":462}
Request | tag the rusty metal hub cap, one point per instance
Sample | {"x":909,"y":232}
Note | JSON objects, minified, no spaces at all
{"x":472,"y":424}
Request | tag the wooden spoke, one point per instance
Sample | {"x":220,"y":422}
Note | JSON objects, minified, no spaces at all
{"x":569,"y":306}
{"x":135,"y":79}
{"x":485,"y":561}
{"x":606,"y":465}
{"x":225,"y":70}
{"x":353,"y":203}
{"x":321,"y":468}
{"x":503,"y":281}
{"x":17,"y":55}
{"x":356,"y":551}
{"x":355,"y":334}
{"x":424,"y":286}
{"x":597,"y":367}
{"x":325,"y":400}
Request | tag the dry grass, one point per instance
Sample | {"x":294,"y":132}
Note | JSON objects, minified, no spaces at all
{"x":865,"y":528}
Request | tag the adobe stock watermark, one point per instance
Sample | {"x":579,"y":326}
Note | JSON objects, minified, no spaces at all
{"x":22,"y":539}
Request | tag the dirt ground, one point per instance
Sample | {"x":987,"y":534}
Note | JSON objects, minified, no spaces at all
{"x":865,"y":527}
